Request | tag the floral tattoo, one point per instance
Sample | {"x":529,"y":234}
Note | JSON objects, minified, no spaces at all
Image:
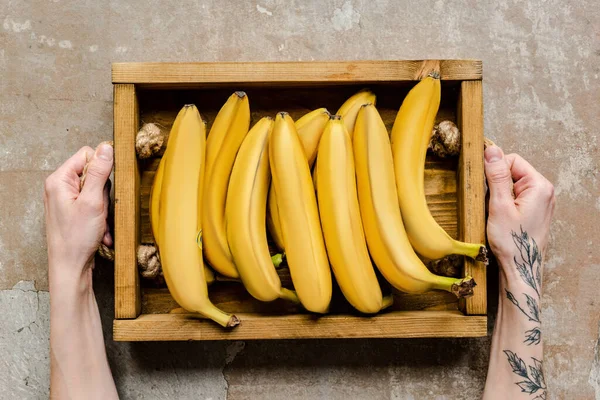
{"x":529,"y":265}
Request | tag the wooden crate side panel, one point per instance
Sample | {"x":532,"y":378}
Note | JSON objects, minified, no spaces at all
{"x":284,"y":72}
{"x":471,"y":188}
{"x":400,"y":324}
{"x":127,"y":205}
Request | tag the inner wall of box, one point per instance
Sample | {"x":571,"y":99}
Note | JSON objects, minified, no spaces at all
{"x":161,"y":107}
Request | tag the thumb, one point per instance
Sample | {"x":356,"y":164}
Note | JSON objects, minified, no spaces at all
{"x":98,"y":172}
{"x":498,"y":177}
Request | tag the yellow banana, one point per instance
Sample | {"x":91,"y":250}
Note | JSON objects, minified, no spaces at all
{"x":245,"y":216}
{"x":155,"y":198}
{"x":410,"y":137}
{"x":340,"y":219}
{"x":349,"y":110}
{"x":179,"y":219}
{"x":155,"y":211}
{"x":224,"y":140}
{"x":300,"y":225}
{"x":155,"y":190}
{"x":387,"y":240}
{"x":310,"y":128}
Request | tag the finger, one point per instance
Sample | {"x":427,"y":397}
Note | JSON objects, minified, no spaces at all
{"x":498,"y":177}
{"x":107,"y":238}
{"x":106,"y":194}
{"x":98,"y":171}
{"x":519,"y":167}
{"x":77,"y":162}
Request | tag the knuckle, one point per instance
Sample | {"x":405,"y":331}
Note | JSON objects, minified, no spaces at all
{"x":498,"y":175}
{"x":95,"y":171}
{"x":50,"y":184}
{"x":547,"y":190}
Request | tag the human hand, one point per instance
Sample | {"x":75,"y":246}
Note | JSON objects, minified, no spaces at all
{"x":76,"y":220}
{"x":524,"y":219}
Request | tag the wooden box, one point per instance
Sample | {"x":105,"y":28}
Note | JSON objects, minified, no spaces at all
{"x":154,"y":92}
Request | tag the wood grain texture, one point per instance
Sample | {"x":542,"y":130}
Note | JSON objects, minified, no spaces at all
{"x":398,"y":324}
{"x":127,"y":204}
{"x":471,"y":193}
{"x":184,"y":74}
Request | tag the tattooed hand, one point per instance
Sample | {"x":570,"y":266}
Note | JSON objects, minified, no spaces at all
{"x":529,"y":210}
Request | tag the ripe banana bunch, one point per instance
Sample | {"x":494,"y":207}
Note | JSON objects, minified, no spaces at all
{"x":299,"y":216}
{"x":245,"y":216}
{"x":341,"y":222}
{"x":349,"y":110}
{"x":179,"y":223}
{"x":214,"y":194}
{"x":310,"y":128}
{"x":409,"y":140}
{"x":386,"y":237}
{"x":224,"y":140}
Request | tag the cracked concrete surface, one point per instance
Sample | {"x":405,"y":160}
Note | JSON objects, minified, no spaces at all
{"x":24,"y":339}
{"x":541,"y":86}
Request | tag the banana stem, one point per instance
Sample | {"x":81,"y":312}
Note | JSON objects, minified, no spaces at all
{"x":476,"y":251}
{"x":277,"y":259}
{"x":220,"y":317}
{"x":459,"y":287}
{"x":388,"y":301}
{"x":290,"y":295}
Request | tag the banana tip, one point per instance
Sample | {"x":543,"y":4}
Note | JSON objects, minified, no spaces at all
{"x":241,"y":94}
{"x":282,"y":114}
{"x":364,"y":91}
{"x":233,"y":322}
{"x":464,"y":287}
{"x":434,"y":74}
{"x":482,"y":256}
{"x":335,"y":117}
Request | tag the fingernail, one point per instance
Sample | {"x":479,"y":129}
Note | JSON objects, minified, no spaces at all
{"x":105,"y":152}
{"x":493,"y":154}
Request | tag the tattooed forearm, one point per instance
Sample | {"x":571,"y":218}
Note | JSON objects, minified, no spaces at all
{"x":530,"y":270}
{"x":532,"y":305}
{"x":533,"y":375}
{"x":534,"y":335}
{"x":529,"y":265}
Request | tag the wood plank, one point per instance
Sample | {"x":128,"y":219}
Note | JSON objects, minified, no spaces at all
{"x":127,"y":205}
{"x":398,"y":324}
{"x":471,"y":193}
{"x":177,"y":74}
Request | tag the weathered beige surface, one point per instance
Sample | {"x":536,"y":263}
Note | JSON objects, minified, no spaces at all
{"x":541,"y":80}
